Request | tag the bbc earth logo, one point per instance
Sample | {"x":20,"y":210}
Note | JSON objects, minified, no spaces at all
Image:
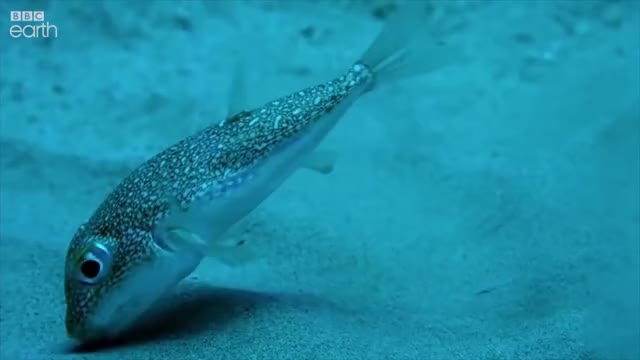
{"x":32,"y":25}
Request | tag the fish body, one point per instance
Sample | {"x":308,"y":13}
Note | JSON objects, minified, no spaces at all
{"x":238,"y":162}
{"x":161,"y":221}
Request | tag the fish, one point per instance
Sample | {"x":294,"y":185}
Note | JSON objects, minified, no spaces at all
{"x":173,"y":211}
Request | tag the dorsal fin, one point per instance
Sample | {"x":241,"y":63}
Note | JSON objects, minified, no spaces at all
{"x":237,"y":102}
{"x":238,"y":116}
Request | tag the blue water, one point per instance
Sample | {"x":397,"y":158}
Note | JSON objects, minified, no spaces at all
{"x":490,"y":210}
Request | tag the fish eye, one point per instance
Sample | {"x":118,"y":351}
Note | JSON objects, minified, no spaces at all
{"x":94,"y":264}
{"x":90,"y":268}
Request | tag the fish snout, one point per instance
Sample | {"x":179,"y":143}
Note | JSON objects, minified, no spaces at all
{"x":79,"y":330}
{"x":83,"y":329}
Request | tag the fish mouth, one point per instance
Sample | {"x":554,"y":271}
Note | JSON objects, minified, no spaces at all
{"x":88,"y":334}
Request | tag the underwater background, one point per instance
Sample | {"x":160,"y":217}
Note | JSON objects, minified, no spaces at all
{"x":490,"y":210}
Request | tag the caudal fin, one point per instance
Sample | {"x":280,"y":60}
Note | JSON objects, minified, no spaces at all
{"x":409,"y":45}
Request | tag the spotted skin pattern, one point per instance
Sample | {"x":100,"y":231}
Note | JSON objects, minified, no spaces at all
{"x":208,"y":163}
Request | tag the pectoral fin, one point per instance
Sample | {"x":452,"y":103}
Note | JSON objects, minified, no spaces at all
{"x":201,"y":227}
{"x":227,"y":252}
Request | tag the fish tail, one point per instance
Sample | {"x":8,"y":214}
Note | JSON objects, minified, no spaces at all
{"x":408,"y":46}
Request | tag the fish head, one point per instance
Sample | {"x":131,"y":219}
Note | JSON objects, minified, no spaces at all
{"x":111,"y":282}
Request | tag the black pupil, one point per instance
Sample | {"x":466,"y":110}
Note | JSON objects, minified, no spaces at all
{"x":90,"y":269}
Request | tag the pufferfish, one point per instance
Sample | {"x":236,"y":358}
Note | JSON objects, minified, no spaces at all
{"x":170,"y":213}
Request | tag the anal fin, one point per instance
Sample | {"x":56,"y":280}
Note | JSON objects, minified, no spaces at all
{"x":320,"y":161}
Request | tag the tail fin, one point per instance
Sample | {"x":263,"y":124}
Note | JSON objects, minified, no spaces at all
{"x":408,"y":46}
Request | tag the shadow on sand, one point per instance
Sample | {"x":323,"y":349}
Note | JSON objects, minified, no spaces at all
{"x":194,"y":309}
